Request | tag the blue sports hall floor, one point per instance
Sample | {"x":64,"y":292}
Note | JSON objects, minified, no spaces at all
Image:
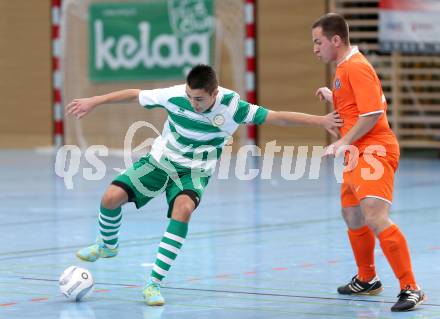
{"x":256,"y":249}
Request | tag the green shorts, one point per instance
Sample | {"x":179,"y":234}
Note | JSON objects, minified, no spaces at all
{"x":147,"y":179}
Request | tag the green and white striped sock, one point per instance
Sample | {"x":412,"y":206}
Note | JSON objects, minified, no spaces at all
{"x":109,"y":222}
{"x":169,"y":248}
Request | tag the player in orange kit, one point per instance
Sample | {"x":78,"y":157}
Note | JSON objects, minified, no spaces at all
{"x":365,"y":197}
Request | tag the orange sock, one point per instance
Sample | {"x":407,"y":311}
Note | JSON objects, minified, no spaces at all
{"x":362,"y":242}
{"x":396,"y":251}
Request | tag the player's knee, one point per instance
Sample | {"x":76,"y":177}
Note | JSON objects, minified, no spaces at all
{"x":353,"y":217}
{"x":346,"y":214}
{"x":375,"y":213}
{"x":371,"y":216}
{"x":114,"y":197}
{"x":348,"y":218}
{"x":110,"y":201}
{"x":183,"y":207}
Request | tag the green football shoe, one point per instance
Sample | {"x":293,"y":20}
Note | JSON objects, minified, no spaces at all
{"x":98,"y":250}
{"x":152,"y":294}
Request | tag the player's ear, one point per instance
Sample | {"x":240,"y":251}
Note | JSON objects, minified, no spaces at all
{"x":215,"y":93}
{"x":337,"y":40}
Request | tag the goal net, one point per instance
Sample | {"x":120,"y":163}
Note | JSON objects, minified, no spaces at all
{"x":160,"y":41}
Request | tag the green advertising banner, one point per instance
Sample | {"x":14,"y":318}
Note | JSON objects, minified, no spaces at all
{"x":155,"y":40}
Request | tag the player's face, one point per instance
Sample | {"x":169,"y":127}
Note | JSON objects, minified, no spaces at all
{"x":201,"y":100}
{"x":323,"y":48}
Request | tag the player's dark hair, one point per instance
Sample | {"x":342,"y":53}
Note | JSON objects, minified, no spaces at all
{"x":333,"y":24}
{"x":202,"y":77}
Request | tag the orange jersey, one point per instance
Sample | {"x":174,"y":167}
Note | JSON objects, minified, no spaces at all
{"x":357,"y":92}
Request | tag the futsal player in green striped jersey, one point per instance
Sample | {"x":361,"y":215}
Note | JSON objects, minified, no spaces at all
{"x":202,"y":117}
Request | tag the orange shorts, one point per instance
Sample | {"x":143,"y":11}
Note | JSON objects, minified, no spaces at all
{"x":373,"y":176}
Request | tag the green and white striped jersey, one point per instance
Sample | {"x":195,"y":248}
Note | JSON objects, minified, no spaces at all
{"x":195,"y":140}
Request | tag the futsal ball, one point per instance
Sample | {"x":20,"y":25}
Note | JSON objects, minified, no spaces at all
{"x":76,"y":283}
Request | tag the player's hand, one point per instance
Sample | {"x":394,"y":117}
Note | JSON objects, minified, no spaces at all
{"x":331,"y":122}
{"x":324,"y":94}
{"x":80,"y":107}
{"x":336,"y":148}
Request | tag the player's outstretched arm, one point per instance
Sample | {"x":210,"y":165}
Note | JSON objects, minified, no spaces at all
{"x":81,"y":107}
{"x":330,"y":122}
